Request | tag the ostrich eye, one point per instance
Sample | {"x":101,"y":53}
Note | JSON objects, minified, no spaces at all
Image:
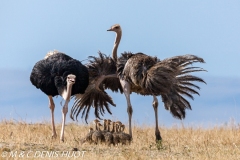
{"x":116,"y":27}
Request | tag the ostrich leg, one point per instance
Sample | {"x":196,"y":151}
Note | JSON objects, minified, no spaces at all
{"x":155,"y":107}
{"x":126,"y":89}
{"x":52,"y":106}
{"x":64,"y":112}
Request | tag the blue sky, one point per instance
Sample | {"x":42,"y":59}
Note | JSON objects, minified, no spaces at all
{"x":209,"y":29}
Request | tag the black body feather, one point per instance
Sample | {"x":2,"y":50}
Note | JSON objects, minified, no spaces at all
{"x":50,"y":74}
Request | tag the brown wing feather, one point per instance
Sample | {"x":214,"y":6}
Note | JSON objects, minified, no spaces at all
{"x":183,"y":84}
{"x":98,"y":99}
{"x":104,"y":65}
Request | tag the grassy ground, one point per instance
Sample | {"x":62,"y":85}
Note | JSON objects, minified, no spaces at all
{"x":33,"y":141}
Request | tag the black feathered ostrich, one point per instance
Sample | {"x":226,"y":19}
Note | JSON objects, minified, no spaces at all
{"x":59,"y":74}
{"x":147,"y":75}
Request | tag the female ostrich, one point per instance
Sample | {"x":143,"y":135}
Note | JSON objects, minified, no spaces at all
{"x":59,"y":74}
{"x":148,"y":75}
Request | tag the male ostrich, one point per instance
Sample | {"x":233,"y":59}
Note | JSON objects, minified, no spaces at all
{"x":59,"y":74}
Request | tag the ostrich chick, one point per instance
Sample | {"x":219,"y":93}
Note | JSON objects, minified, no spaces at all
{"x":124,"y":137}
{"x":116,"y":138}
{"x":97,"y":135}
{"x":108,"y":137}
{"x":88,"y":137}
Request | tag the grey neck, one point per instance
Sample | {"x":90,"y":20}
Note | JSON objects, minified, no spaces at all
{"x":116,"y":43}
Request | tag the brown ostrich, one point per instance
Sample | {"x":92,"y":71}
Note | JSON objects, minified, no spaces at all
{"x":116,"y":138}
{"x":147,"y":75}
{"x":108,"y":137}
{"x":124,"y":137}
{"x":97,"y":136}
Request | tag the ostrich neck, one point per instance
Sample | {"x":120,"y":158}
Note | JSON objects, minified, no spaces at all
{"x":99,"y":128}
{"x":113,"y":129}
{"x":117,"y":128}
{"x":116,"y":43}
{"x":123,"y":127}
{"x":90,"y":130}
{"x":104,"y":126}
{"x":67,"y":92}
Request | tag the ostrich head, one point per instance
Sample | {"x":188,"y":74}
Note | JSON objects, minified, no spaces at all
{"x":118,"y":126}
{"x":116,"y":28}
{"x":118,"y":123}
{"x":96,"y":121}
{"x":99,"y":126}
{"x":105,"y":121}
{"x":71,"y":79}
{"x":122,"y":127}
{"x":65,"y":91}
{"x":105,"y":124}
{"x":90,"y":129}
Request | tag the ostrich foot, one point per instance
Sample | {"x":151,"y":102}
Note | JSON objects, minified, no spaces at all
{"x":158,"y":136}
{"x":54,"y":136}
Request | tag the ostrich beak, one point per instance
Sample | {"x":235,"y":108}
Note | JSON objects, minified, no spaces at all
{"x":72,"y":80}
{"x":109,"y":29}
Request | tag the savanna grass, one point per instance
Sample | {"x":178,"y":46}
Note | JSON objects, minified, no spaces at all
{"x":220,"y":142}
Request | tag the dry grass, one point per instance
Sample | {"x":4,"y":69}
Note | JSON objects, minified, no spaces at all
{"x":179,"y":142}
